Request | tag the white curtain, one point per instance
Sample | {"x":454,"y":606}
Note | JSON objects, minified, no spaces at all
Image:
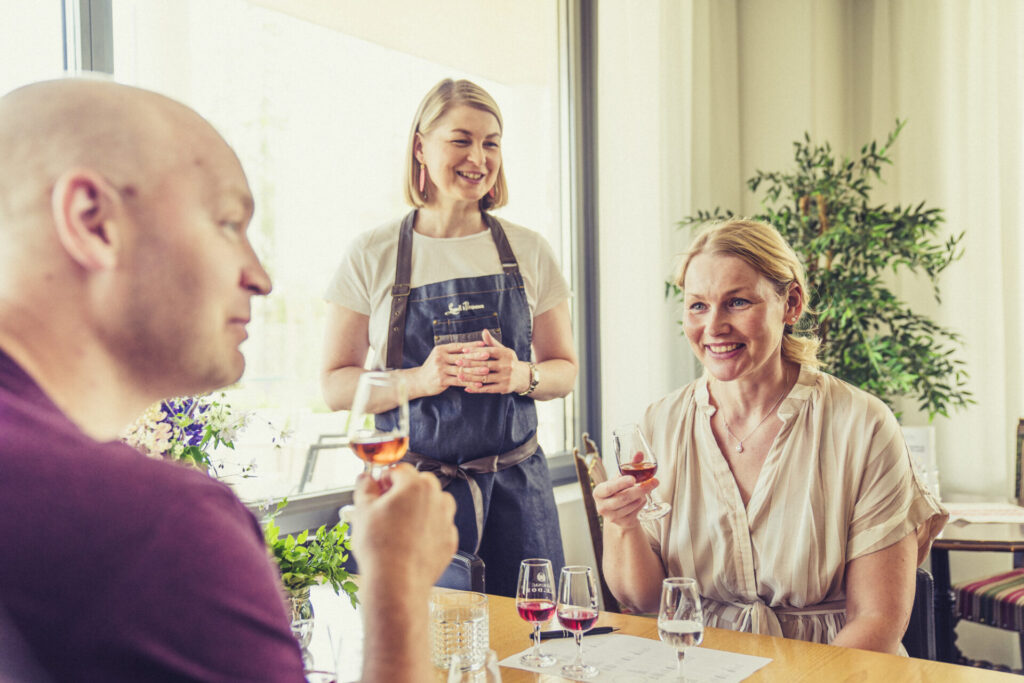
{"x":695,"y":95}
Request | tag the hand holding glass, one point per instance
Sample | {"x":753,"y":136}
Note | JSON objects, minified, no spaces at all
{"x":577,"y":612}
{"x":634,"y":457}
{"x":383,"y":439}
{"x":680,"y":617}
{"x":535,"y":600}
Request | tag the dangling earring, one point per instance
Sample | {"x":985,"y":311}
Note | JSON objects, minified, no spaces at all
{"x":423,"y":182}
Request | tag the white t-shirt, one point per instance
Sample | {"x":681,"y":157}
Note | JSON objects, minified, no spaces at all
{"x":364,"y":279}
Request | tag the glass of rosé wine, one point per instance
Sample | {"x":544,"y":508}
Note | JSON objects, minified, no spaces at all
{"x":535,"y":600}
{"x":634,"y":457}
{"x":577,"y":612}
{"x":378,"y":428}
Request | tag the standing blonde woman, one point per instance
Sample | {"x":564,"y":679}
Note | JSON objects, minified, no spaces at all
{"x":794,"y":501}
{"x":474,"y":311}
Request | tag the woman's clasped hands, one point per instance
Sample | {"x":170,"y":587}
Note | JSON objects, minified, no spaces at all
{"x":619,"y":500}
{"x":481,"y":367}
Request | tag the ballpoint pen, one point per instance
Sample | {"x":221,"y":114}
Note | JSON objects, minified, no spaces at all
{"x":600,"y":630}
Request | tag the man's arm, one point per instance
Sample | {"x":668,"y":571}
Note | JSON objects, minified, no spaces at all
{"x":403,"y":538}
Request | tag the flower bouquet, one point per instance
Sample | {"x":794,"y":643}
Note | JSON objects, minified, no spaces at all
{"x":188,"y":429}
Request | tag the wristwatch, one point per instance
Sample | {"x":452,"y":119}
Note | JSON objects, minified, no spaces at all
{"x":534,"y":380}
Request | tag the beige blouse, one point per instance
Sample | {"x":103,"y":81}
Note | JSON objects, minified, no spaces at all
{"x":837,"y":483}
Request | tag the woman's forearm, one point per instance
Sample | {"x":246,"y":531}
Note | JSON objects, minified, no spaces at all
{"x":339,"y":386}
{"x":878,"y":632}
{"x":631,"y":568}
{"x":557,"y":379}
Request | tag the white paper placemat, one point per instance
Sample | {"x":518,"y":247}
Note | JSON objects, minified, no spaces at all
{"x":622,"y":659}
{"x":978,"y":513}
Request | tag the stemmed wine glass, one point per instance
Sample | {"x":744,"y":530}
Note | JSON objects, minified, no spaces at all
{"x":379,"y":438}
{"x":577,"y":612}
{"x":680,"y":617}
{"x":535,"y":600}
{"x":634,"y":457}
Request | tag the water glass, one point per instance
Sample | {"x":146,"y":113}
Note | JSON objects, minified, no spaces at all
{"x":459,"y":625}
{"x":489,"y":673}
{"x":680,"y":618}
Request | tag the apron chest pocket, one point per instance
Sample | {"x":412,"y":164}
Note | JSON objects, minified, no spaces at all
{"x":466,"y":329}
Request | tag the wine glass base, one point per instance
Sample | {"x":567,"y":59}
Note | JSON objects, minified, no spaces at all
{"x":579,"y":672}
{"x":656,"y":511}
{"x":537,"y":660}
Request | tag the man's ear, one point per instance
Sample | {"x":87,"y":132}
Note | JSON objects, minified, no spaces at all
{"x":85,"y":206}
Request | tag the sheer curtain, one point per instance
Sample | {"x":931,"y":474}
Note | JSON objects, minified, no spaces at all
{"x":694,"y":96}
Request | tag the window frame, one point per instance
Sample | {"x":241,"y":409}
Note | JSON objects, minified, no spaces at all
{"x":88,"y":46}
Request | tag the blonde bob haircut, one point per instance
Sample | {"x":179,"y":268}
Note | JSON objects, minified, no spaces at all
{"x":441,"y":99}
{"x":766,"y":251}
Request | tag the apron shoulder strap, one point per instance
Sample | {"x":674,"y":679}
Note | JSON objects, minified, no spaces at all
{"x":508,"y":258}
{"x":400,"y":293}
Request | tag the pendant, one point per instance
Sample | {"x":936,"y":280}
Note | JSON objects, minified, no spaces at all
{"x":739,"y":447}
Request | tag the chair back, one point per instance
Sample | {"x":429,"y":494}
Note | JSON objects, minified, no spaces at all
{"x":590,"y":472}
{"x":919,"y":640}
{"x":466,"y":572}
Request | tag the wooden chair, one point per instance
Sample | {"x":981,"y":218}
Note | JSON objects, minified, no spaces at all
{"x":997,"y":600}
{"x":919,"y":640}
{"x":590,"y":472}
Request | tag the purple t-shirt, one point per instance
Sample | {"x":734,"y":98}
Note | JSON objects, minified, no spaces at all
{"x":119,"y":567}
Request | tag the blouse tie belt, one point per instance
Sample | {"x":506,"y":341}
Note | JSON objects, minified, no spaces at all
{"x":758,"y":617}
{"x":446,"y":472}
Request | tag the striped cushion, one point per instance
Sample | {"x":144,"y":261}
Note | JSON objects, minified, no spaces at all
{"x":996,"y":600}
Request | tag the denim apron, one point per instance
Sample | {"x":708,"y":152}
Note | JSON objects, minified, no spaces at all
{"x":483,"y":447}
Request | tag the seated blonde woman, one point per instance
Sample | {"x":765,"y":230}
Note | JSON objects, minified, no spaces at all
{"x":794,"y":501}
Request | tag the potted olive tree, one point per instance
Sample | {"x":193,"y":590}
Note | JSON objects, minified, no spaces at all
{"x":850,"y":246}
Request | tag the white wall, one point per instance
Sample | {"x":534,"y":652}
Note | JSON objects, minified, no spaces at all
{"x":695,"y":95}
{"x":642,"y":192}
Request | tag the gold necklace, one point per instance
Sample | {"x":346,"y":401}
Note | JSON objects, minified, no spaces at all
{"x":739,"y":441}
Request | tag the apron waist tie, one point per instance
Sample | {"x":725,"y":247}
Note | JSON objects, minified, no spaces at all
{"x":758,"y":617}
{"x":447,"y":472}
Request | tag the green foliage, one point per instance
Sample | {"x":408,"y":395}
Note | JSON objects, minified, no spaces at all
{"x":870,"y":337}
{"x":306,"y":560}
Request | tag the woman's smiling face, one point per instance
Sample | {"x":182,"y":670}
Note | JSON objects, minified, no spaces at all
{"x":462,"y":154}
{"x":734,"y":319}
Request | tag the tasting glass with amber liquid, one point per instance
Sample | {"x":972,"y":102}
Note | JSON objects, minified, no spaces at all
{"x":634,"y":457}
{"x":378,"y":430}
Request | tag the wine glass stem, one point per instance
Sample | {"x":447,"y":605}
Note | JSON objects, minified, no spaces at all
{"x":579,"y":648}
{"x":536,"y":639}
{"x":680,"y":667}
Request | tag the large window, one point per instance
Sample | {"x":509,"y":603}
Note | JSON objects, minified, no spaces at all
{"x":31,"y":42}
{"x":317,"y":99}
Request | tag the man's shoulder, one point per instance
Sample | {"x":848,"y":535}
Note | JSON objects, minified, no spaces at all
{"x":42,"y":452}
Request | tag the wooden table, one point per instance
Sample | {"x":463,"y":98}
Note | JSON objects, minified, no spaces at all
{"x":792,"y":660}
{"x":987,"y":537}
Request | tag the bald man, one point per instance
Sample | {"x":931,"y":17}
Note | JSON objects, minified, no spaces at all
{"x":126,"y":276}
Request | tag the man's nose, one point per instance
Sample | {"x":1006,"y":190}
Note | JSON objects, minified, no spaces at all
{"x":254,"y":277}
